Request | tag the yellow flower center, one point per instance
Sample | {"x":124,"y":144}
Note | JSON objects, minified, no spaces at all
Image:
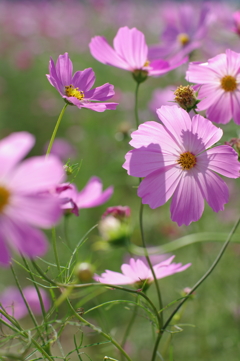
{"x":70,"y":91}
{"x":187,"y":160}
{"x":147,"y":62}
{"x":183,"y":38}
{"x":4,"y":198}
{"x":228,"y":83}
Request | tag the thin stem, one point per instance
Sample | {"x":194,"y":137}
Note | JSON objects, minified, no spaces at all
{"x":136,"y":105}
{"x":65,"y":226}
{"x":55,"y":130}
{"x":129,"y":326}
{"x":27,"y":305}
{"x":197,"y":284}
{"x":54,"y":243}
{"x":97,"y":329}
{"x":150,"y":264}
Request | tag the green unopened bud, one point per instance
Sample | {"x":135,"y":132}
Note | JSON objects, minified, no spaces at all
{"x":140,"y":75}
{"x":84,"y":272}
{"x":185,"y":97}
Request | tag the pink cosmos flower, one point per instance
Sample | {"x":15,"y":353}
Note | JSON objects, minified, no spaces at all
{"x":25,"y":202}
{"x":14,"y":305}
{"x":90,"y":196}
{"x":75,"y":89}
{"x":175,"y":160}
{"x":219,"y":86}
{"x":62,"y":149}
{"x":236,"y":20}
{"x":137,"y":272}
{"x":130,"y":53}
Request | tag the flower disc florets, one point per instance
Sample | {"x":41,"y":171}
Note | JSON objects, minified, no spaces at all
{"x":228,"y":83}
{"x":185,"y":96}
{"x":187,"y":160}
{"x":183,"y":38}
{"x":4,"y":198}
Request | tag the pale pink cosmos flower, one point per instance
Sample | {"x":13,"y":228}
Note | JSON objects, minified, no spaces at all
{"x":90,"y":196}
{"x":138,"y":273}
{"x":175,"y":160}
{"x":130,"y":53}
{"x":25,"y":201}
{"x":76,"y":88}
{"x":13,"y":303}
{"x":219,"y":86}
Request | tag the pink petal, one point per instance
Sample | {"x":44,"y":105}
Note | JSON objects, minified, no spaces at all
{"x":158,"y":67}
{"x":5,"y":257}
{"x":92,"y":195}
{"x":114,"y":278}
{"x":32,"y":299}
{"x":41,"y":210}
{"x":222,"y":159}
{"x":37,"y":174}
{"x":99,"y":107}
{"x":156,"y":189}
{"x":233,"y":62}
{"x":84,"y":80}
{"x":236,"y":106}
{"x":12,"y":149}
{"x":214,"y":190}
{"x":187,"y":204}
{"x":221,"y":110}
{"x":130,"y":44}
{"x":143,"y":161}
{"x":64,"y":69}
{"x":100,"y":93}
{"x":205,"y":134}
{"x":200,"y":73}
{"x":209,"y":94}
{"x":104,"y":53}
{"x":178,"y":124}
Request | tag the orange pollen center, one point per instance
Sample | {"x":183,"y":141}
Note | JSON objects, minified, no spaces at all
{"x":187,"y":160}
{"x":147,"y":63}
{"x":228,"y":83}
{"x":4,"y":198}
{"x":183,"y":38}
{"x":70,"y":91}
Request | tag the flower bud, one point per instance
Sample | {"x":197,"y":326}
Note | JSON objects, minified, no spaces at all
{"x":140,"y":75}
{"x":84,"y":272}
{"x":185,"y":97}
{"x":235,"y":144}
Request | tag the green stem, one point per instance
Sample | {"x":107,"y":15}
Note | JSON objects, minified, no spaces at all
{"x":54,"y":243}
{"x":136,"y":105}
{"x":55,"y":130}
{"x":150,"y":264}
{"x":97,"y":329}
{"x":197,"y":284}
{"x":129,"y":326}
{"x":27,"y":305}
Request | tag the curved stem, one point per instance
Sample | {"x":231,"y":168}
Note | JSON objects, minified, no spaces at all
{"x":197,"y":284}
{"x":129,"y":326}
{"x":55,"y":130}
{"x":97,"y":329}
{"x":54,"y":243}
{"x":136,"y":105}
{"x":150,"y":264}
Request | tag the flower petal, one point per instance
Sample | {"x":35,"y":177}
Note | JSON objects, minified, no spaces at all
{"x":187,"y":204}
{"x":84,"y":80}
{"x":233,"y":62}
{"x":130,"y":44}
{"x":5,"y":257}
{"x":156,"y":189}
{"x":100,"y":93}
{"x":12,"y":149}
{"x":200,"y":73}
{"x":236,"y":106}
{"x":114,"y":278}
{"x":99,"y":107}
{"x":209,"y":94}
{"x":221,"y":110}
{"x":92,"y":195}
{"x":64,"y":69}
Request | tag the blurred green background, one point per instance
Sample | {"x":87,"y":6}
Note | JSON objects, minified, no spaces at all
{"x":31,"y":33}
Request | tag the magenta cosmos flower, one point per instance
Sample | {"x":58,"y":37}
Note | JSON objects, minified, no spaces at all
{"x":13,"y":303}
{"x":90,"y":196}
{"x":175,"y":160}
{"x":219,"y":86}
{"x":76,"y":88}
{"x":25,"y":202}
{"x":130,"y":53}
{"x":138,"y":273}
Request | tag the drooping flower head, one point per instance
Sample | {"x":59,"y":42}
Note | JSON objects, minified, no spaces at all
{"x":175,"y":160}
{"x":76,"y":88}
{"x":13,"y":303}
{"x":90,"y":196}
{"x":140,"y":274}
{"x":25,"y":200}
{"x":130,"y":53}
{"x":219,"y":86}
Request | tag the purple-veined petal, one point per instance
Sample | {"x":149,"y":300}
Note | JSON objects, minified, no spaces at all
{"x":235,"y":96}
{"x":100,"y":93}
{"x":209,"y":94}
{"x":100,"y":107}
{"x":200,"y":73}
{"x":221,"y":110}
{"x":233,"y":62}
{"x":84,"y":79}
{"x":64,"y":69}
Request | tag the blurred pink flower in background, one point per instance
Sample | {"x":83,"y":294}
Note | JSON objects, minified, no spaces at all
{"x":174,"y":160}
{"x":162,"y":97}
{"x":130,"y":53}
{"x":236,"y":20}
{"x":219,"y":86}
{"x":136,"y":272}
{"x":75,"y":89}
{"x":25,"y":201}
{"x":62,"y":149}
{"x":90,"y":196}
{"x":13,"y":303}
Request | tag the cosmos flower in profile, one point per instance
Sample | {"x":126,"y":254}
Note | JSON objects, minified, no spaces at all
{"x":175,"y":161}
{"x":140,"y":274}
{"x":25,"y":200}
{"x":76,"y":88}
{"x":90,"y":196}
{"x":130,"y":53}
{"x":219,"y":86}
